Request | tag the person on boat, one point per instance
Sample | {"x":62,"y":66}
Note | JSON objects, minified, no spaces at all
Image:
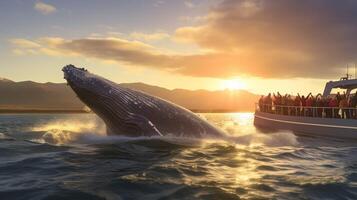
{"x":343,"y":105}
{"x":297,"y":104}
{"x":328,"y":110}
{"x":333,"y":104}
{"x":338,"y":97}
{"x":268,"y":103}
{"x":319,"y":103}
{"x":353,"y":105}
{"x":303,"y":103}
{"x":290,"y":103}
{"x":285,"y":104}
{"x":277,"y":102}
{"x":309,"y":104}
{"x":261,"y":103}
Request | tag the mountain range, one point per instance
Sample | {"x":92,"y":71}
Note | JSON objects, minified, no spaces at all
{"x":28,"y":95}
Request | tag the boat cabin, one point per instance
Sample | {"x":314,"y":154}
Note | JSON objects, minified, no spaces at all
{"x":343,"y":83}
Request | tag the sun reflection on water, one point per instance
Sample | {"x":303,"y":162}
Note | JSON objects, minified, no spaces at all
{"x":236,"y":124}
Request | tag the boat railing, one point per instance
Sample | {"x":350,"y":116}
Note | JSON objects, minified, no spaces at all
{"x":309,"y":111}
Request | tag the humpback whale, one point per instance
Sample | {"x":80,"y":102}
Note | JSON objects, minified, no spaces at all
{"x":134,"y":113}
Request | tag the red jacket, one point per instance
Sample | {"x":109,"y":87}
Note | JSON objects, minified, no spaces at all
{"x":332,"y":103}
{"x":309,"y":102}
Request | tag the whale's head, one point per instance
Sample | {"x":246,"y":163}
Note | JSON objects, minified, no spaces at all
{"x":90,"y":88}
{"x":84,"y":83}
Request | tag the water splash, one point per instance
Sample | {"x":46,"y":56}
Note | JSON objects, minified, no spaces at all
{"x":2,"y":136}
{"x":92,"y":131}
{"x":68,"y":130}
{"x":240,"y":130}
{"x":277,"y":139}
{"x":5,"y":137}
{"x":70,"y":125}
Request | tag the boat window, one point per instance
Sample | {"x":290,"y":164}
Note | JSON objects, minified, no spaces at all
{"x":353,"y":91}
{"x":335,"y":90}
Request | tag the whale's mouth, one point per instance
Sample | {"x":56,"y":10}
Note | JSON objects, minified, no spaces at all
{"x":70,"y":72}
{"x":75,"y":76}
{"x":85,"y":85}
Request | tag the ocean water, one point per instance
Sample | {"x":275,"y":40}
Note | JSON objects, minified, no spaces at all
{"x":68,"y":156}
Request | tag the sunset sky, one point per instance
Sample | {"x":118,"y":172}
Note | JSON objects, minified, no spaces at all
{"x":258,"y":45}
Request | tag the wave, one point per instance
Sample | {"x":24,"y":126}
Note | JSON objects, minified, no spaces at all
{"x":277,"y":139}
{"x":92,"y":131}
{"x":3,"y":136}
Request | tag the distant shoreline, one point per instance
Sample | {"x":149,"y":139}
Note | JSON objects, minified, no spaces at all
{"x":39,"y":111}
{"x":24,"y":111}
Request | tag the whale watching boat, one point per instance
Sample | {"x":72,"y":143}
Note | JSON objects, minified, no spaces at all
{"x":312,"y":121}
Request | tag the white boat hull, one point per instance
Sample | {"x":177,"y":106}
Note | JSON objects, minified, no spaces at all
{"x":313,"y":126}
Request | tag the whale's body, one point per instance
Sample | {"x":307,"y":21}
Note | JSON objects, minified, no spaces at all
{"x":133,"y":113}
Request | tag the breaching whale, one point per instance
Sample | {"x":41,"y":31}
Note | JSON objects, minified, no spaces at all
{"x":133,"y":113}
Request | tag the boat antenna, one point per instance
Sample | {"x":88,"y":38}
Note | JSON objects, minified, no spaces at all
{"x":355,"y":70}
{"x":347,"y":71}
{"x":347,"y":75}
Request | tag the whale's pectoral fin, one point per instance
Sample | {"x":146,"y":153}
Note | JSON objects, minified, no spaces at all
{"x":146,"y":127}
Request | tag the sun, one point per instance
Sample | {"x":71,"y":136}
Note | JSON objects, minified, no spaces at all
{"x":234,"y":84}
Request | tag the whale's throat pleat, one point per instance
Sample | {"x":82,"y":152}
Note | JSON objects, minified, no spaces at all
{"x":134,"y":124}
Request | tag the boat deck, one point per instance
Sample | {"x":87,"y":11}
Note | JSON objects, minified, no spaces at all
{"x":312,"y":124}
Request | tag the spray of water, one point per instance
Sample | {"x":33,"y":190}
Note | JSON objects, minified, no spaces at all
{"x":69,"y":130}
{"x":240,"y":130}
{"x":277,"y":139}
{"x":3,"y":136}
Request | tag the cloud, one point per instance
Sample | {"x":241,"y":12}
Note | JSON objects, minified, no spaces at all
{"x":47,"y":46}
{"x":289,"y":38}
{"x":23,"y":43}
{"x":129,"y":52}
{"x":149,"y":36}
{"x":24,"y":46}
{"x":138,"y":54}
{"x":44,"y":8}
{"x":261,"y":38}
{"x":134,"y":53}
{"x":193,"y":19}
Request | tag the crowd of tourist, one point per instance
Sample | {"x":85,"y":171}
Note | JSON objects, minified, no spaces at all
{"x":333,"y":106}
